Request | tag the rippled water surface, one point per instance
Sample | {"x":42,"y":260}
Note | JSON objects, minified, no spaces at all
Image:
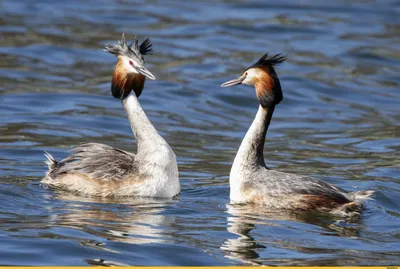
{"x":339,"y":121}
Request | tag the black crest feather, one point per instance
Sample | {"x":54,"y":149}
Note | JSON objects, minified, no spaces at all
{"x":146,"y":47}
{"x":132,"y":50}
{"x":267,"y":60}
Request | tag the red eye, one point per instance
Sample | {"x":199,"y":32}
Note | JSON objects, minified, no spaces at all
{"x":131,"y":63}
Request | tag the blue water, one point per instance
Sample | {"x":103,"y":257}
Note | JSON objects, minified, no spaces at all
{"x":339,"y":121}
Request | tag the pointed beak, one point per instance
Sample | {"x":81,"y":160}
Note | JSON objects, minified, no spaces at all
{"x":143,"y":70}
{"x":234,"y":82}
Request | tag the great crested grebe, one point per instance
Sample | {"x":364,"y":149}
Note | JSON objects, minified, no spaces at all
{"x":100,"y":170}
{"x":251,"y":181}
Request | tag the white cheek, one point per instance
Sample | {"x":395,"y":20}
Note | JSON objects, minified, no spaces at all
{"x":133,"y":70}
{"x":129,"y":67}
{"x":249,"y":79}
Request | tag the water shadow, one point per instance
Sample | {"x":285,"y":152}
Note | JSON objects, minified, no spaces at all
{"x":244,"y":220}
{"x":128,"y":220}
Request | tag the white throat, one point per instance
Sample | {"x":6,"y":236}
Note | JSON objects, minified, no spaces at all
{"x":250,"y":154}
{"x":142,"y":128}
{"x":156,"y":158}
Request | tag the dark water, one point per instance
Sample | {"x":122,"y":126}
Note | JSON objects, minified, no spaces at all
{"x":339,"y":121}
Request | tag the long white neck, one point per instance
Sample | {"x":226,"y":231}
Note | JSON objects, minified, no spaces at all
{"x":250,"y":153}
{"x":142,"y":128}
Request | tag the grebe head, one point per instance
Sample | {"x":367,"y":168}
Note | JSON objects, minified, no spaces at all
{"x":264,"y":78}
{"x":130,"y":72}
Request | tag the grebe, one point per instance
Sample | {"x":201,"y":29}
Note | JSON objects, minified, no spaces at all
{"x":100,"y":170}
{"x":251,"y":181}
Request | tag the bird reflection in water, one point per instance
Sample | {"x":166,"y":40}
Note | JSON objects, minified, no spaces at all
{"x":128,"y":220}
{"x":247,"y":217}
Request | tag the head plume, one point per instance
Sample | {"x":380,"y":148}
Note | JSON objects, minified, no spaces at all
{"x":132,"y":50}
{"x":269,"y":61}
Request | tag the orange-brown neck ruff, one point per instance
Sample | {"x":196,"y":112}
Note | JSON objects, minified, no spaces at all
{"x":123,"y":82}
{"x":268,"y":87}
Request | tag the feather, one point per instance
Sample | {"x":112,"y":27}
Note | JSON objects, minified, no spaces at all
{"x":98,"y":161}
{"x":146,"y":47}
{"x":51,"y":162}
{"x":131,"y":50}
{"x":269,"y":61}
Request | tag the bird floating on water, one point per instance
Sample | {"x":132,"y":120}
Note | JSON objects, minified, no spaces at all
{"x":251,"y":181}
{"x":100,"y":170}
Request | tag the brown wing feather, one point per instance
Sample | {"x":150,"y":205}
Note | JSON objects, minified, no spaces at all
{"x":97,"y":161}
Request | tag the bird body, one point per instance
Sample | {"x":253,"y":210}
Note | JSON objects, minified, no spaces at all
{"x":100,"y":170}
{"x":251,"y":181}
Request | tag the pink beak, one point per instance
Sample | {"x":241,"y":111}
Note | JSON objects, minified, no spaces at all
{"x":234,"y":82}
